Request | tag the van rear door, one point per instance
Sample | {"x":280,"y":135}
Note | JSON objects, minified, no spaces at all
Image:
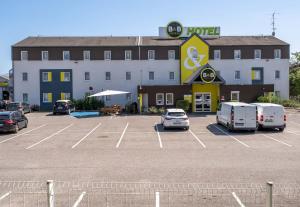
{"x":245,"y":117}
{"x":273,"y":116}
{"x":251,"y":116}
{"x":239,"y":116}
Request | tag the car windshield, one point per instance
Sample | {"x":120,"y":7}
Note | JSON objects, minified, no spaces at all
{"x":176,"y":114}
{"x":12,"y":106}
{"x":60,"y":103}
{"x":4,"y":117}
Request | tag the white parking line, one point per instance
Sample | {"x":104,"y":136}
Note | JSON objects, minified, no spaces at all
{"x":52,"y":135}
{"x":203,"y":145}
{"x":269,"y":137}
{"x":90,"y":132}
{"x":158,"y":135}
{"x":119,"y":142}
{"x":291,"y":132}
{"x":22,"y":133}
{"x":79,"y":199}
{"x":5,"y":195}
{"x":238,"y":200}
{"x":221,"y":130}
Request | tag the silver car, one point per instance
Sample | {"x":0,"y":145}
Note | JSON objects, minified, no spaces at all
{"x":175,"y":118}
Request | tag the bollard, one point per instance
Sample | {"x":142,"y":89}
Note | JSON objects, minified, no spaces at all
{"x":156,"y":199}
{"x":269,"y":194}
{"x":50,"y":193}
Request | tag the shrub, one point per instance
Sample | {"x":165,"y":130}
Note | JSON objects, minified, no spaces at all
{"x":153,"y":110}
{"x":88,"y":103}
{"x":161,"y":110}
{"x":183,"y":104}
{"x":290,"y":103}
{"x":263,"y":99}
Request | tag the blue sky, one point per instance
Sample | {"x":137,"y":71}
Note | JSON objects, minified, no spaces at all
{"x":22,"y":18}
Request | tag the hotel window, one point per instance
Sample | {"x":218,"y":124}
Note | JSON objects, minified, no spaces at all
{"x":45,"y":55}
{"x":25,"y":76}
{"x":237,"y":54}
{"x":171,"y":76}
{"x":277,"y":74}
{"x":256,"y":74}
{"x":25,"y":97}
{"x":86,"y":76}
{"x":108,"y":98}
{"x":47,"y":76}
{"x":65,"y":96}
{"x":65,"y":76}
{"x":151,"y":75}
{"x":169,"y":98}
{"x":128,"y":75}
{"x":237,"y":75}
{"x":235,"y":96}
{"x":47,"y":97}
{"x":86,"y":55}
{"x":277,"y":53}
{"x":24,"y":55}
{"x":107,"y":76}
{"x":66,"y":55}
{"x":217,"y":54}
{"x":257,"y":54}
{"x":171,"y":54}
{"x":127,"y":54}
{"x":151,"y":54}
{"x":160,"y":99}
{"x":107,"y":55}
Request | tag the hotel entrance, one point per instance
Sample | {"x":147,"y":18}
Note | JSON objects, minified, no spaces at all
{"x":202,"y":102}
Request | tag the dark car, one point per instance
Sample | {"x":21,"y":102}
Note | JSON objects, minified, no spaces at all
{"x":18,"y":106}
{"x":63,"y":107}
{"x":12,"y":121}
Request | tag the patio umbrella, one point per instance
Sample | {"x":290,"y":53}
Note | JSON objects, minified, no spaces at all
{"x":108,"y":93}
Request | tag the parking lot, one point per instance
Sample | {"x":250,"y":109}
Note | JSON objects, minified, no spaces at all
{"x":137,"y":149}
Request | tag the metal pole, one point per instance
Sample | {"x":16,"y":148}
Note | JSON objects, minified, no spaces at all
{"x":269,"y":202}
{"x":50,"y":193}
{"x":156,"y":199}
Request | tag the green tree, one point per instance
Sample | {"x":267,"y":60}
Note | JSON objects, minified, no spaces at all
{"x":295,"y":75}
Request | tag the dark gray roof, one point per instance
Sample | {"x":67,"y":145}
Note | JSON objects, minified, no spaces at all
{"x":40,"y":41}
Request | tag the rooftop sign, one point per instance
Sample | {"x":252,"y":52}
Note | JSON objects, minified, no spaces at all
{"x":175,"y":30}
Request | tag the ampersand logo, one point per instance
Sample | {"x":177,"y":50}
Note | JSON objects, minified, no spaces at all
{"x":193,"y":59}
{"x":208,"y":75}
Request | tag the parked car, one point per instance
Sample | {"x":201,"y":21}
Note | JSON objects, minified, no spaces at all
{"x":175,"y":118}
{"x":18,"y":106}
{"x":12,"y":121}
{"x":63,"y":107}
{"x":270,"y":116}
{"x":237,"y":116}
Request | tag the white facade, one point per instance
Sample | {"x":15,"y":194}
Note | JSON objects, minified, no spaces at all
{"x":139,"y":76}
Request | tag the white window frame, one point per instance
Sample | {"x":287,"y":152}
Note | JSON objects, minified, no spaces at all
{"x":172,"y":100}
{"x":107,"y":55}
{"x":259,"y":77}
{"x":67,"y":95}
{"x":128,"y":72}
{"x":108,"y":72}
{"x":45,"y":52}
{"x":235,"y":77}
{"x":235,"y":92}
{"x":171,"y":55}
{"x":89,"y":76}
{"x":170,"y":75}
{"x":162,"y":100}
{"x":237,"y":54}
{"x":23,"y":52}
{"x":25,"y":101}
{"x":126,"y":53}
{"x":46,"y":100}
{"x":276,"y":74}
{"x":149,"y":54}
{"x":66,"y":52}
{"x":257,"y":51}
{"x":277,"y":51}
{"x":67,"y":80}
{"x":44,"y":80}
{"x":215,"y":54}
{"x":86,"y":55}
{"x":153,"y":76}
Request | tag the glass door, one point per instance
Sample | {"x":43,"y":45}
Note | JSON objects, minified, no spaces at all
{"x":202,"y":102}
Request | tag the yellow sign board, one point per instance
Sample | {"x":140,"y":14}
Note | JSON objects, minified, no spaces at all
{"x":194,"y":53}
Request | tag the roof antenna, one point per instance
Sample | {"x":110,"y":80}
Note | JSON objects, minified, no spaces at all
{"x":273,"y":24}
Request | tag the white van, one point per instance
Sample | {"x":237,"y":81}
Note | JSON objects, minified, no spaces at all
{"x":237,"y":116}
{"x":271,"y":116}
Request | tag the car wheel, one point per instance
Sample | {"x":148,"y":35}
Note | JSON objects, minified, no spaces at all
{"x":281,"y":129}
{"x":217,"y":120}
{"x":54,"y":113}
{"x":187,"y":128}
{"x":229,"y":127}
{"x":165,"y":128}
